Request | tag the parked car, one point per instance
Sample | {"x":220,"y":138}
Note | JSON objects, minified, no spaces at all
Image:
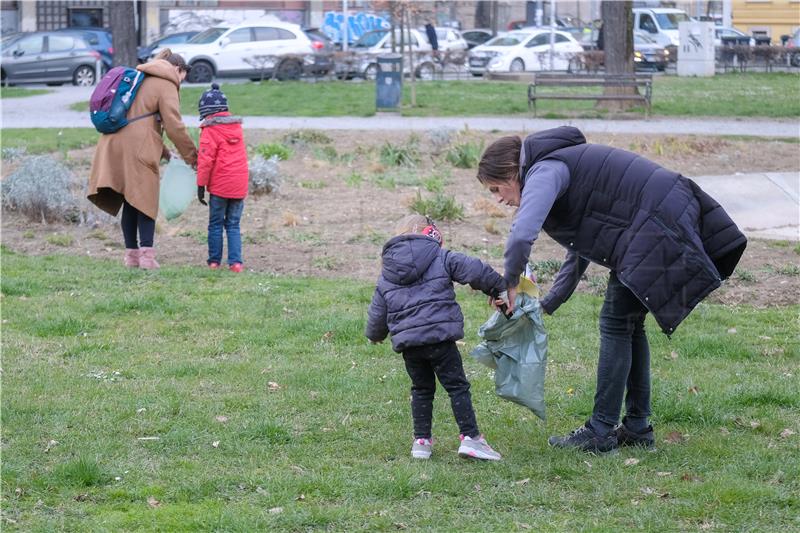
{"x":379,"y":42}
{"x":523,"y":50}
{"x":648,"y":54}
{"x":476,"y":37}
{"x":323,"y":48}
{"x":265,"y":46}
{"x":99,"y":39}
{"x":723,"y":35}
{"x":145,"y":52}
{"x":50,"y":57}
{"x":660,"y":23}
{"x":793,"y":48}
{"x":449,"y":39}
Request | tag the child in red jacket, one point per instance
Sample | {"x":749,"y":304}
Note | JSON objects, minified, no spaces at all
{"x":222,"y":168}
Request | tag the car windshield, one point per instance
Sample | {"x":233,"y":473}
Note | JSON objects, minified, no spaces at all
{"x":208,"y":36}
{"x":8,"y":39}
{"x":511,"y":39}
{"x":669,"y":21}
{"x":369,"y":39}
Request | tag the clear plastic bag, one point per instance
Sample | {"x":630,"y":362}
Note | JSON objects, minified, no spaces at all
{"x":178,"y":188}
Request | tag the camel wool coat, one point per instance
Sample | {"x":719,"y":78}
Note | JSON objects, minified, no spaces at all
{"x":125,"y":165}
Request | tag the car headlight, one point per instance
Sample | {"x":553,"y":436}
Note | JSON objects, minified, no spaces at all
{"x":666,"y":52}
{"x":496,"y":62}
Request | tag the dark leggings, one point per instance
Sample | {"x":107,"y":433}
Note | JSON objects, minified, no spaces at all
{"x":426,"y":363}
{"x":133,"y":220}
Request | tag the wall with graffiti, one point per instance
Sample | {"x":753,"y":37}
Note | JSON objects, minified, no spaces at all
{"x":357,"y":25}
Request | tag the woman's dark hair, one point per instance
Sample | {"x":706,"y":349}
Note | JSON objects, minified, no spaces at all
{"x":500,"y":162}
{"x":173,"y":59}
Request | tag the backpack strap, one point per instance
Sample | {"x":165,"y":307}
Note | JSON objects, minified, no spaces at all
{"x":158,"y":117}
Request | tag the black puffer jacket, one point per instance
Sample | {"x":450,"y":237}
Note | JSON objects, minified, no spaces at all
{"x":668,"y":241}
{"x":414,"y":298}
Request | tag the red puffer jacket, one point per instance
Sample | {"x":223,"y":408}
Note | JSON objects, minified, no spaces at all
{"x":222,"y":157}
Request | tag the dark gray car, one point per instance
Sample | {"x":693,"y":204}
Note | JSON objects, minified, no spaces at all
{"x":48,"y":57}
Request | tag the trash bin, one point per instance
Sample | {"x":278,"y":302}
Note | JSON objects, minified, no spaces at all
{"x":389,"y":82}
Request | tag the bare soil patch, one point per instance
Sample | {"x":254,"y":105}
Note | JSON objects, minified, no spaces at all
{"x":338,"y":202}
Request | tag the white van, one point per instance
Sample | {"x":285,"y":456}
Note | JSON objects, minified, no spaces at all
{"x":661,"y":24}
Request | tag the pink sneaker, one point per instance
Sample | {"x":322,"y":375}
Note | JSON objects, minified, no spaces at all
{"x":422,"y":448}
{"x":213,"y":265}
{"x":131,"y":259}
{"x":477,"y":448}
{"x":236,"y":267}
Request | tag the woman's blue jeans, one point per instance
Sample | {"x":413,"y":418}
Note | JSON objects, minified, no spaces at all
{"x":224,"y":212}
{"x":624,"y":360}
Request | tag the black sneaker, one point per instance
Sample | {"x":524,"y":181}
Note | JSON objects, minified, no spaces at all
{"x":584,"y":438}
{"x":626,"y":437}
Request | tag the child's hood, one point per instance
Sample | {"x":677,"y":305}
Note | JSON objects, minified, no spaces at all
{"x":407,"y":257}
{"x":221,"y":118}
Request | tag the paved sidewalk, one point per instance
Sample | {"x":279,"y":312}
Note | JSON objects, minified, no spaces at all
{"x":51,"y":110}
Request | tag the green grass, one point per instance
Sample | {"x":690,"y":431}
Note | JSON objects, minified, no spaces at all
{"x":21,"y":92}
{"x":192,"y":400}
{"x":726,"y":95}
{"x":45,"y":140}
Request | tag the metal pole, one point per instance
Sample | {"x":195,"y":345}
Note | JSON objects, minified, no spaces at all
{"x":552,"y":31}
{"x":346,"y":22}
{"x":726,"y":13}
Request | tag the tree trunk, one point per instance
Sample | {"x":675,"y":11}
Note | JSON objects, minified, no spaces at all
{"x":483,"y":14}
{"x":122,"y":20}
{"x":618,"y":47}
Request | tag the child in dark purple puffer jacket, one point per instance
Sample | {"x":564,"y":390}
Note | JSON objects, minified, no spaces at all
{"x":415,"y":302}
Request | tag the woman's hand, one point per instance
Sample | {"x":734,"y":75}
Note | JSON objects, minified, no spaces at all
{"x":512,"y":297}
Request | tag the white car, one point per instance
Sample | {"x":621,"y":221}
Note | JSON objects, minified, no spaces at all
{"x":245,"y":50}
{"x":449,"y":39}
{"x":661,"y":23}
{"x":524,"y":50}
{"x":379,"y":42}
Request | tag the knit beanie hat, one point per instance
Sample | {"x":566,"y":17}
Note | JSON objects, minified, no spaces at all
{"x":212,"y":101}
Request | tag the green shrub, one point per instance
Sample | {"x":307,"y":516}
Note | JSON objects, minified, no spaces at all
{"x":326,"y":153}
{"x":395,"y":156}
{"x":546,"y":269}
{"x":354,"y":179}
{"x":274,"y":149}
{"x":81,"y":472}
{"x":438,"y":207}
{"x":465,"y":155}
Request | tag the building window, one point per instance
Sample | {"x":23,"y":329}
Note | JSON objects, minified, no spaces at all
{"x":83,"y":17}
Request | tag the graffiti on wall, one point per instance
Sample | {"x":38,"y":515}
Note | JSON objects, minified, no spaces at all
{"x":357,"y":25}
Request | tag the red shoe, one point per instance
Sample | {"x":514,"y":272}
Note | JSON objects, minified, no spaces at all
{"x":236,"y":267}
{"x":213,"y":265}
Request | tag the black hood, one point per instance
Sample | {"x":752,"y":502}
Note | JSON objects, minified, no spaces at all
{"x":537,"y":146}
{"x":407,"y":257}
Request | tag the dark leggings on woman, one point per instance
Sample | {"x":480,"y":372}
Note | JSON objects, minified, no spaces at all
{"x":133,"y":220}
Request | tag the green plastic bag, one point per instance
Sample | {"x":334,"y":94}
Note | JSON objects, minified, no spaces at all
{"x":178,"y":188}
{"x":516,"y":348}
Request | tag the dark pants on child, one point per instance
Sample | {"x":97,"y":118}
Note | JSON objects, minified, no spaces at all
{"x":224,"y":212}
{"x":624,"y":361}
{"x":426,"y":363}
{"x":133,"y":220}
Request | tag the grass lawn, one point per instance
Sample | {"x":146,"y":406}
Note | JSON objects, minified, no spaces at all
{"x":19,"y":92}
{"x":188,"y":399}
{"x":45,"y":140}
{"x":728,"y":95}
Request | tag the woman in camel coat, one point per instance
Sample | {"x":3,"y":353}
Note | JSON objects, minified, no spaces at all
{"x":125,"y":169}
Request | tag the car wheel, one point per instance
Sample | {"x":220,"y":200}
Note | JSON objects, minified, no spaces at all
{"x":795,"y":59}
{"x":289,"y":70}
{"x":83,"y":76}
{"x":371,"y":72}
{"x":425,"y":71}
{"x":517,"y":65}
{"x":201,"y":72}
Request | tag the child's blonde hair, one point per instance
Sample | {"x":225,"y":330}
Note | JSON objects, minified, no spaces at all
{"x":411,"y":224}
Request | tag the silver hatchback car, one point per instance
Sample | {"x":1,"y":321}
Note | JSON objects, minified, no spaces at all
{"x":48,"y":57}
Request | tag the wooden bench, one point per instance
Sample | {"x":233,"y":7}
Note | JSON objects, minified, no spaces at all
{"x":551,"y":79}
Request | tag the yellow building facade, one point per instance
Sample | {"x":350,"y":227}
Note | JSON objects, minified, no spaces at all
{"x":771,"y":18}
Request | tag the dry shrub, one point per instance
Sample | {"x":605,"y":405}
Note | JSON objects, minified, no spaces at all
{"x":290,"y":219}
{"x":489,"y":208}
{"x":43,"y":190}
{"x":491,"y":227}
